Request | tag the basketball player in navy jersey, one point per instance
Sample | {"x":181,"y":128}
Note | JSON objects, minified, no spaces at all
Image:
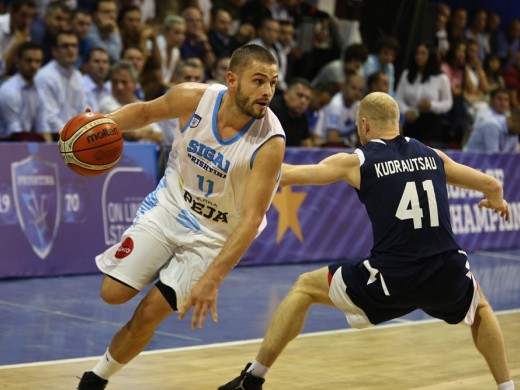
{"x":415,"y":262}
{"x":193,"y":229}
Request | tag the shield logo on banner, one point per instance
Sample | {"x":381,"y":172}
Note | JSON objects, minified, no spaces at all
{"x":37,"y":200}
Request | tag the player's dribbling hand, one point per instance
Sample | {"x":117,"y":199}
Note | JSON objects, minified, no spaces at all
{"x":203,"y":297}
{"x":502,"y":209}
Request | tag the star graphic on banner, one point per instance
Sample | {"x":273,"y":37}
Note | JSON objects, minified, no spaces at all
{"x":287,"y":204}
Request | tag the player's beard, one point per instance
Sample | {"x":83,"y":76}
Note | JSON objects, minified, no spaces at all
{"x":246,"y":106}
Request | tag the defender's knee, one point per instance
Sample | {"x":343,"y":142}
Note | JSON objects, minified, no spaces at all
{"x":312,"y":285}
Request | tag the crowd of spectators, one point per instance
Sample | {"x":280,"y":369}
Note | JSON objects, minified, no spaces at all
{"x":60,"y":56}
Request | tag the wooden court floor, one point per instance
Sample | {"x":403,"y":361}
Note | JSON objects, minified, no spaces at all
{"x":427,"y":355}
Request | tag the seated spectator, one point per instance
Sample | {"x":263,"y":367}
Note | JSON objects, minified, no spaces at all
{"x":458,"y":121}
{"x":492,"y":69}
{"x":124,"y":78}
{"x":457,"y":25}
{"x":169,"y":43}
{"x":378,"y":82}
{"x":477,"y":86}
{"x":508,"y":43}
{"x":267,"y":36}
{"x":189,"y":70}
{"x":196,"y":43}
{"x":150,"y":85}
{"x":80,"y":24}
{"x":512,"y":80}
{"x":14,"y":31}
{"x":339,"y":116}
{"x":442,"y":43}
{"x":290,"y":109}
{"x":354,"y":57}
{"x":95,"y":77}
{"x":136,"y":34}
{"x":21,"y":103}
{"x":43,"y":31}
{"x":291,"y":49}
{"x":321,"y":96}
{"x":423,"y":95}
{"x":219,"y":71}
{"x":147,"y":8}
{"x":494,"y":131}
{"x":477,"y":32}
{"x":104,"y":32}
{"x":383,"y":60}
{"x":61,"y":83}
{"x":254,"y":12}
{"x":220,"y":36}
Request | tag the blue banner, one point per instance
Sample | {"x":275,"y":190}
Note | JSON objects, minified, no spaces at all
{"x":54,"y":221}
{"x":329,"y":223}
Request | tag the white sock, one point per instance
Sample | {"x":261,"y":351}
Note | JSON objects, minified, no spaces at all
{"x":507,"y":385}
{"x":257,"y":369}
{"x":107,"y":366}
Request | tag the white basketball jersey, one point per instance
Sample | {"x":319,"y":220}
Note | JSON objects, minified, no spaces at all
{"x":206,"y":175}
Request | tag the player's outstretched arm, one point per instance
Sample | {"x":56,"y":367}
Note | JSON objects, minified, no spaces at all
{"x":466,"y":177}
{"x":180,"y":102}
{"x":340,"y":166}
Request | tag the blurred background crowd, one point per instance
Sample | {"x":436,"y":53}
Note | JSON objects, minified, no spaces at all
{"x":454,"y":71}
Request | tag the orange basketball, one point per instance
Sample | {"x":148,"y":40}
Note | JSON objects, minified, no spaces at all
{"x":91,"y":143}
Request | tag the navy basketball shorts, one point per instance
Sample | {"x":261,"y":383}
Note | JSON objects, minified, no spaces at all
{"x":442,"y":286}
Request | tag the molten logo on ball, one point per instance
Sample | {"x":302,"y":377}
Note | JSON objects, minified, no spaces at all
{"x":102,"y":134}
{"x":91,"y":144}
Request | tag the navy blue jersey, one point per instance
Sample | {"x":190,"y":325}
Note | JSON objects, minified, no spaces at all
{"x":403,"y":187}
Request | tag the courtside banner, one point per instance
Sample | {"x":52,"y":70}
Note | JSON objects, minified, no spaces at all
{"x":54,"y":221}
{"x":329,"y":223}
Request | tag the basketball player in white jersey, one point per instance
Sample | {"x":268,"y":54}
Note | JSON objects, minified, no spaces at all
{"x":206,"y":211}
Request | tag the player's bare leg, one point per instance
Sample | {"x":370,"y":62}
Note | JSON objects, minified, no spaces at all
{"x":289,"y":318}
{"x":286,"y":324}
{"x":114,"y":292}
{"x":133,"y":337}
{"x":489,"y":340}
{"x":129,"y":341}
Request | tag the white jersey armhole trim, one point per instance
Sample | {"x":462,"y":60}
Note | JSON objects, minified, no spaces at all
{"x":360,"y":155}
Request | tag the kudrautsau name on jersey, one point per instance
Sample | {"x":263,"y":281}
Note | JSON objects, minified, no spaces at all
{"x":390,"y":167}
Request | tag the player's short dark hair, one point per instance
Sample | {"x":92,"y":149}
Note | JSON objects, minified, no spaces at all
{"x":243,"y":56}
{"x":57,"y":5}
{"x":96,"y":49}
{"x":59,"y":34}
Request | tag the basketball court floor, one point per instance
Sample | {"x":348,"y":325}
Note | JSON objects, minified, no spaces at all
{"x":53,"y":329}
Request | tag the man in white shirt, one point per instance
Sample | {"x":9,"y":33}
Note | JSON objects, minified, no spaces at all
{"x":494,"y":131}
{"x":95,"y":78}
{"x":62,"y":84}
{"x":21,"y":103}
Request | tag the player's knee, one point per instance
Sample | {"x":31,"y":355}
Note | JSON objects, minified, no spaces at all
{"x":115,"y":293}
{"x":308,"y":285}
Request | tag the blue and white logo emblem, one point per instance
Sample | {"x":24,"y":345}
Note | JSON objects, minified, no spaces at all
{"x":37,"y":198}
{"x":195,"y":120}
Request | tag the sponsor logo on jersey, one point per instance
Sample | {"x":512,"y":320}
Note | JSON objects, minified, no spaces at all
{"x":209,"y":155}
{"x":126,"y":247}
{"x":206,"y":210}
{"x":195,"y":120}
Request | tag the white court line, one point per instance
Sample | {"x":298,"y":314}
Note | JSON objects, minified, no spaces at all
{"x":240,"y":342}
{"x":498,"y":255}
